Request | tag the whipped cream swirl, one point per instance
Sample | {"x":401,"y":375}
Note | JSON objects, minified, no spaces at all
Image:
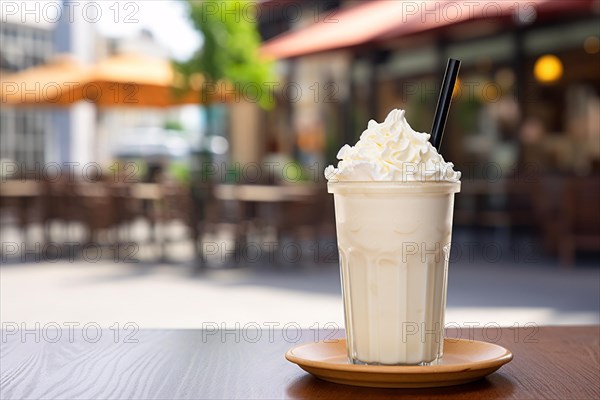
{"x":391,"y":151}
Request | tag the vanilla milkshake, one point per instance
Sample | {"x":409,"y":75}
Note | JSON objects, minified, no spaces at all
{"x":394,"y":197}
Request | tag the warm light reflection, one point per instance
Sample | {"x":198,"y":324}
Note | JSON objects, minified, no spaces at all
{"x":548,"y":68}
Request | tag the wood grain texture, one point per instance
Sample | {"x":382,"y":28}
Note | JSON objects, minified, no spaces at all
{"x":554,"y":362}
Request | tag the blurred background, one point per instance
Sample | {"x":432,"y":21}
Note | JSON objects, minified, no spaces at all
{"x":162,"y":161}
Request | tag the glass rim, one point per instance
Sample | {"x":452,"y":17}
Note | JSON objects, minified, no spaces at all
{"x":370,"y":187}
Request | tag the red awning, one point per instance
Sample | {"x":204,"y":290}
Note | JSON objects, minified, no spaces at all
{"x":387,"y":19}
{"x":344,"y":28}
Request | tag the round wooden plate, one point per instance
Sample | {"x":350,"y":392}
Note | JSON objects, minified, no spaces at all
{"x":464,"y":361}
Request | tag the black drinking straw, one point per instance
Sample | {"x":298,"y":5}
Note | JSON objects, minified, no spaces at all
{"x":443,"y":105}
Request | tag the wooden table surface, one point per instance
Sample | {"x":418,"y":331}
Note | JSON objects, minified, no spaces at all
{"x":552,"y":362}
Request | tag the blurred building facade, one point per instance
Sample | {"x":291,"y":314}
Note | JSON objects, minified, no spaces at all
{"x":32,"y":136}
{"x":524,"y":127}
{"x":503,"y":89}
{"x":24,"y":131}
{"x":80,"y":132}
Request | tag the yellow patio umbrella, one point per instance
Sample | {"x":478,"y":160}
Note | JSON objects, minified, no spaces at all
{"x":131,"y":80}
{"x":126,"y":80}
{"x":60,"y":82}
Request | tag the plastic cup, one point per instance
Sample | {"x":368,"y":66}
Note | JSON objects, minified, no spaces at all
{"x":394,"y":244}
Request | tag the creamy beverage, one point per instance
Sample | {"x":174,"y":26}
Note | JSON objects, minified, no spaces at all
{"x":394,"y":197}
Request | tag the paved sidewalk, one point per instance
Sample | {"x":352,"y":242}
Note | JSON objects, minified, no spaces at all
{"x":156,"y":295}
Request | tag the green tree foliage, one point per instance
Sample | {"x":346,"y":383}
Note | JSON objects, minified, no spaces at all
{"x":230,"y":48}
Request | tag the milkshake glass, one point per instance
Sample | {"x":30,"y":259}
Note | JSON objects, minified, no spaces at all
{"x":394,"y":242}
{"x":394,"y":199}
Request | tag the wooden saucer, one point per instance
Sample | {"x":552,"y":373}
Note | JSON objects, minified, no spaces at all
{"x":464,"y":361}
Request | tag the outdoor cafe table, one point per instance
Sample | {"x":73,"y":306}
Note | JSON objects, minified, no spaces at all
{"x":552,"y":362}
{"x":264,"y":193}
{"x":271,"y":197}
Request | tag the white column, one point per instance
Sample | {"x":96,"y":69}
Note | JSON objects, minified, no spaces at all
{"x":82,"y":132}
